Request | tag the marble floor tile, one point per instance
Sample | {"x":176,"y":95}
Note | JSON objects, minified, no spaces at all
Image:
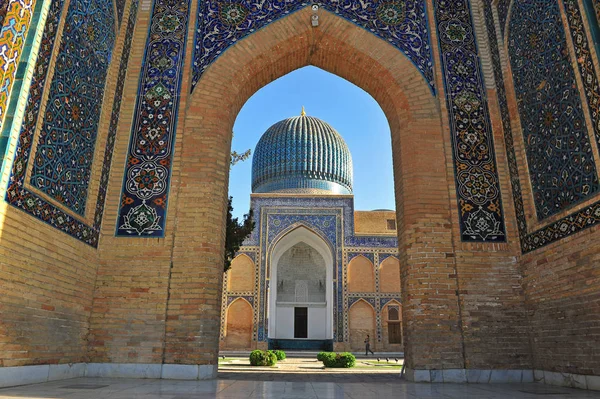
{"x":284,"y":387}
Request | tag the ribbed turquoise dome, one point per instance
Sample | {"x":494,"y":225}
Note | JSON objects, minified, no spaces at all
{"x":302,"y":155}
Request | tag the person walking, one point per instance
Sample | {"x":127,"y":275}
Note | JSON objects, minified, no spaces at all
{"x":368,"y":346}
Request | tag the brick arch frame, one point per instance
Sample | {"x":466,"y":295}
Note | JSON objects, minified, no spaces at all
{"x":423,"y":178}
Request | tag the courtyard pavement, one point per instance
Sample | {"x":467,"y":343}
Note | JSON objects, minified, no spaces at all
{"x":231,"y":385}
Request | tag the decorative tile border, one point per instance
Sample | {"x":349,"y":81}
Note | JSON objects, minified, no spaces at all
{"x":503,"y":11}
{"x":120,"y":4}
{"x":477,"y":183}
{"x":145,"y":189}
{"x":571,"y":224}
{"x":403,"y":24}
{"x":17,"y":195}
{"x":17,"y":16}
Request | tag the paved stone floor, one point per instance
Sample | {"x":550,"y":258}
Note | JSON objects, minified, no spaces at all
{"x":286,"y":387}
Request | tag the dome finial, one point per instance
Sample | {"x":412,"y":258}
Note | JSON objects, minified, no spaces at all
{"x":303,"y":113}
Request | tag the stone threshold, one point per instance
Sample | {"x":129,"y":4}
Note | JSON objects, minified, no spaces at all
{"x":476,"y":376}
{"x":23,"y":375}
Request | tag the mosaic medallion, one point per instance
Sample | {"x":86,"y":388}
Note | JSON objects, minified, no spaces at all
{"x":232,"y":14}
{"x":391,"y":13}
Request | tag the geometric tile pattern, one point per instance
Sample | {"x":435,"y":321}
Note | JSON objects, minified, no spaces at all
{"x":63,"y":160}
{"x":143,"y":205}
{"x":564,"y":227}
{"x":17,"y":195}
{"x":559,"y":153}
{"x":400,"y":23}
{"x":477,"y":183}
{"x":17,"y":15}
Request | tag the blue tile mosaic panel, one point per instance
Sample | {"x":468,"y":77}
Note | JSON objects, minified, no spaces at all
{"x":477,"y":184}
{"x":559,"y":154}
{"x":401,"y":23}
{"x":568,"y":225}
{"x":65,"y":152}
{"x":17,"y":195}
{"x":148,"y":169}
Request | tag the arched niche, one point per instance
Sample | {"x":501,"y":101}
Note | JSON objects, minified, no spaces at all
{"x":241,"y":274}
{"x":361,"y":321}
{"x":238,"y":329}
{"x":361,"y":275}
{"x":391,"y":326}
{"x":314,"y":292}
{"x":389,"y":275}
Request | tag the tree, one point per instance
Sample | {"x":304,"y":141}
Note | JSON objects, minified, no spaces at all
{"x":235,"y":157}
{"x":236,"y":232}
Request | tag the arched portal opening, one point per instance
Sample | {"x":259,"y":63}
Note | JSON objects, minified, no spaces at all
{"x":301,"y":291}
{"x":413,"y":112}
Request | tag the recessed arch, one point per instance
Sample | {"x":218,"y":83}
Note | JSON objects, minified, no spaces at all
{"x":391,"y":326}
{"x":320,"y":310}
{"x":361,"y":322}
{"x":389,"y":275}
{"x":241,"y":274}
{"x":238,"y":325}
{"x":360,"y":275}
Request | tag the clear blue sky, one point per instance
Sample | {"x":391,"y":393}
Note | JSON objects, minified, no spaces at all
{"x":346,"y":107}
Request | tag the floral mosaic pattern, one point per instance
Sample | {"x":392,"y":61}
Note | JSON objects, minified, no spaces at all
{"x":145,"y":187}
{"x":64,"y":156}
{"x":571,"y":224}
{"x":585,"y":63}
{"x":559,"y":155}
{"x":16,"y":193}
{"x":401,"y":23}
{"x":478,"y":187}
{"x":17,"y":15}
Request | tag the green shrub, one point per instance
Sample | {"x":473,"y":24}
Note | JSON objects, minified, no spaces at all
{"x":338,"y":360}
{"x":280,"y":354}
{"x":262,"y":358}
{"x":321,"y":356}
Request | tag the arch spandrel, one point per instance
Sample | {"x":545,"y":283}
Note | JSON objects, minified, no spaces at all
{"x":403,"y":24}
